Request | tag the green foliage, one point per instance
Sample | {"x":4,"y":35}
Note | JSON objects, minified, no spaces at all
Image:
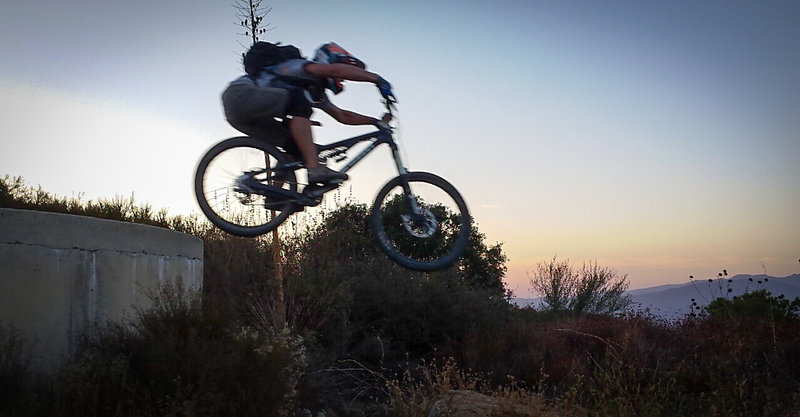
{"x":483,"y":266}
{"x":592,"y":289}
{"x":237,"y":272}
{"x":346,"y":294}
{"x":417,"y":315}
{"x":754,"y":305}
{"x":430,"y":248}
{"x":14,"y":193}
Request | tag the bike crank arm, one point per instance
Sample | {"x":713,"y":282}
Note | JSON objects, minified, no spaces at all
{"x":253,"y":186}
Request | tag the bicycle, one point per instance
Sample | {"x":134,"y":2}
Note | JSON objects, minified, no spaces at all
{"x":247,"y":187}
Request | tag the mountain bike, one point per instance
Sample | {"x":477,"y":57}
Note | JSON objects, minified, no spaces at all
{"x":248,"y":187}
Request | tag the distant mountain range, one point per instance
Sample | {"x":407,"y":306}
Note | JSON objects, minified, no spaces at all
{"x":675,"y":300}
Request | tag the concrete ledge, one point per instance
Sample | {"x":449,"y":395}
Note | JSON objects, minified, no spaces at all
{"x":66,"y":231}
{"x":60,"y":273}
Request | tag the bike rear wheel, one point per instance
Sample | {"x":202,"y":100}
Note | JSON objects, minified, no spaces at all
{"x":221,"y":186}
{"x":431,"y":239}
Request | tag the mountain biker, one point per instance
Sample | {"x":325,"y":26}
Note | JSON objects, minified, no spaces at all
{"x":293,"y":88}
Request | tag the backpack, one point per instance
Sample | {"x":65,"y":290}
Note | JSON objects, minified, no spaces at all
{"x":265,"y":54}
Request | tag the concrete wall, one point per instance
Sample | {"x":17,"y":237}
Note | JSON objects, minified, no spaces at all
{"x":60,"y":273}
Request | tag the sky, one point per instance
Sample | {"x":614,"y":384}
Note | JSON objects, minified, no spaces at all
{"x":660,"y":139}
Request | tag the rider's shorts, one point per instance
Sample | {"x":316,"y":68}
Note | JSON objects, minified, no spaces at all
{"x":252,"y":110}
{"x":298,"y":104}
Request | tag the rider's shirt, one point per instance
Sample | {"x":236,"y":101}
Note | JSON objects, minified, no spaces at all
{"x":289,"y":75}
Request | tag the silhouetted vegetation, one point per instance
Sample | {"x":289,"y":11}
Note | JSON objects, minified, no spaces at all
{"x":363,"y":336}
{"x":592,"y":289}
{"x":756,"y":305}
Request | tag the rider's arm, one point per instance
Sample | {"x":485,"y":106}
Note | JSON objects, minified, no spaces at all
{"x":343,"y":71}
{"x":346,"y":116}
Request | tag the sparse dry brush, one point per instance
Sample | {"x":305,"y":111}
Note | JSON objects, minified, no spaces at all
{"x":592,"y":289}
{"x":638,"y":365}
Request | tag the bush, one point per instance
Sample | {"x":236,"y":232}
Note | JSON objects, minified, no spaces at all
{"x":639,"y":366}
{"x":14,"y":193}
{"x":179,"y":359}
{"x":754,"y":305}
{"x":351,"y":303}
{"x":347,"y":294}
{"x":592,"y":290}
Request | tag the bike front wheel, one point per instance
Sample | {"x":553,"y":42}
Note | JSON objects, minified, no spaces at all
{"x":421,"y":221}
{"x":226,"y":182}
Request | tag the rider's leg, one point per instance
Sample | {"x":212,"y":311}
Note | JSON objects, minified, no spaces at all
{"x":300,"y":128}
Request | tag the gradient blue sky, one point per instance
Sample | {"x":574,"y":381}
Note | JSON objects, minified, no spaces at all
{"x":659,"y":138}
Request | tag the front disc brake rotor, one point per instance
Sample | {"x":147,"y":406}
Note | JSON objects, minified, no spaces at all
{"x":423,"y":225}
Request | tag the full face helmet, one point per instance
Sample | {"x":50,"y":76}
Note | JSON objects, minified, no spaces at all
{"x":331,"y":53}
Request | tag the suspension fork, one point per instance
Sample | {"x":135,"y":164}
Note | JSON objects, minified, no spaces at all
{"x":401,"y":169}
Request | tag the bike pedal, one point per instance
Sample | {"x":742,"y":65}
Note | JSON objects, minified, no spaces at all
{"x":275,"y":205}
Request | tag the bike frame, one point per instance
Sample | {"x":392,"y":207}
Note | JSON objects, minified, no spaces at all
{"x":311,"y":192}
{"x":378,"y":137}
{"x":227,"y":188}
{"x":331,"y":150}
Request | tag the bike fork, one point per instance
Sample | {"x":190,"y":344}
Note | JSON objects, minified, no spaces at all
{"x":401,"y":169}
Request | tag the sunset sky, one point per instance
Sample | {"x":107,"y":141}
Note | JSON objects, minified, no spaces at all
{"x":661,"y":139}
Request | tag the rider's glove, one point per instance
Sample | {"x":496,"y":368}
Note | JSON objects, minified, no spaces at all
{"x":385,"y":89}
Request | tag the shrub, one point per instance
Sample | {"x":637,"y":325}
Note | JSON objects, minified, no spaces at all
{"x":345,"y":291}
{"x":754,"y":305}
{"x":592,"y":289}
{"x":351,"y":303}
{"x":14,"y":193}
{"x":639,"y":366}
{"x":179,"y":359}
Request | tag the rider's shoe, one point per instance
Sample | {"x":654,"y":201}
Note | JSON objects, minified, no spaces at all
{"x":325,"y":175}
{"x":277,"y":176}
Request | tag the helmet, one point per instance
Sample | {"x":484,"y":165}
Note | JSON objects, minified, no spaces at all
{"x":331,"y":53}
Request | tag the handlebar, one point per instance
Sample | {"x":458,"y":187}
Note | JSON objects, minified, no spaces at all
{"x":389,"y":101}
